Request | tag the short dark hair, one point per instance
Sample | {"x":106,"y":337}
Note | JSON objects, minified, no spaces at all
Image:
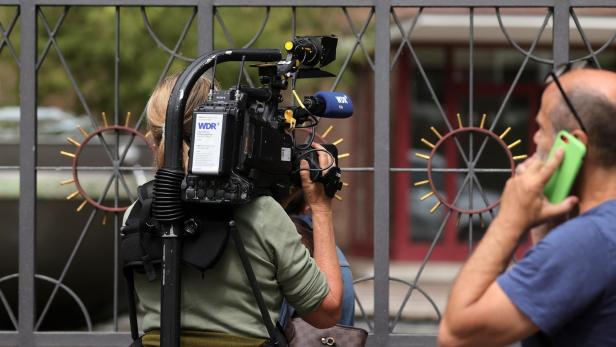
{"x":295,"y":203}
{"x":599,"y":116}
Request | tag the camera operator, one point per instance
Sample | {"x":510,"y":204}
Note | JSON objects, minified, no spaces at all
{"x":218,"y":306}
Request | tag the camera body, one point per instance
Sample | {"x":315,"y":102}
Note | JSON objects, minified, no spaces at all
{"x":243,"y":142}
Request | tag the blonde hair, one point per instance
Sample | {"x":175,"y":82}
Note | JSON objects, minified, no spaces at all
{"x":156,"y":111}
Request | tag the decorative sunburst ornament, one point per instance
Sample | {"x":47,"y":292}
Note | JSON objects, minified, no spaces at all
{"x":461,"y":130}
{"x":106,"y":129}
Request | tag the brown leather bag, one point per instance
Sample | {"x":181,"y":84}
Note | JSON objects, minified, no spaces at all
{"x":301,"y":334}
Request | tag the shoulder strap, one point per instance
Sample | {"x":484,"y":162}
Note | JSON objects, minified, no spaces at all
{"x":146,"y":196}
{"x":135,"y":223}
{"x":134,"y":243}
{"x":132,"y":310}
{"x":276,"y":337}
{"x":140,"y":212}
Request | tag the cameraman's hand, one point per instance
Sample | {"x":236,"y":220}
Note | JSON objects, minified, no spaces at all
{"x":314,"y":191}
{"x":523,"y":204}
{"x":328,"y":312}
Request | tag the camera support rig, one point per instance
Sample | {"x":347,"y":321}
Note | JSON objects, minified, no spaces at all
{"x":167,"y":205}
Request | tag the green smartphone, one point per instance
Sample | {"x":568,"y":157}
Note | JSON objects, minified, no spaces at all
{"x":560,"y":183}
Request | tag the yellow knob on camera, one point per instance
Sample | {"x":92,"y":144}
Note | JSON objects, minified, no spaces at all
{"x":288,"y":117}
{"x":288,"y":45}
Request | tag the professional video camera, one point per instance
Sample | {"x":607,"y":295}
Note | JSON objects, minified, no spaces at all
{"x":243,"y":143}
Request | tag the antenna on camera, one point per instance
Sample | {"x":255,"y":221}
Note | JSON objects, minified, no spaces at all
{"x":239,"y":77}
{"x":214,"y":73}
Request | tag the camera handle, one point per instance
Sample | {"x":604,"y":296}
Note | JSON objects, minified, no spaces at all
{"x":332,"y":180}
{"x":167,"y":205}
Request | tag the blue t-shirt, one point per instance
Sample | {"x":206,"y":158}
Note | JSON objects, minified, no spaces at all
{"x":566,"y":284}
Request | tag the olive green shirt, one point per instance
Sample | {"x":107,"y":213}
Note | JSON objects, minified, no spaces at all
{"x":220,"y":299}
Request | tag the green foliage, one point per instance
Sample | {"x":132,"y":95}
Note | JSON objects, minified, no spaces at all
{"x":86,"y":40}
{"x":9,"y":73}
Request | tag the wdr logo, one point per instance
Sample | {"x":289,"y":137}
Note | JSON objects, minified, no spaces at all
{"x":342,"y":99}
{"x":206,"y":126}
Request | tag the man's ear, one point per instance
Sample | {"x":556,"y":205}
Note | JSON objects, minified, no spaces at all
{"x":583,"y":137}
{"x":580,"y":135}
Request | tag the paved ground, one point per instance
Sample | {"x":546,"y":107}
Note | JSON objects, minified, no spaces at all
{"x":434,"y":283}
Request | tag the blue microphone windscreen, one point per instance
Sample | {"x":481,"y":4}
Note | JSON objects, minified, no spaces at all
{"x":337,"y":105}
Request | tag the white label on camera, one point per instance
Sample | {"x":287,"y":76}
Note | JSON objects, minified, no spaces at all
{"x":285,"y":154}
{"x":207,"y":143}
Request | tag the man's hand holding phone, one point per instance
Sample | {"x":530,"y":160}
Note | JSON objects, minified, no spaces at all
{"x":561,"y":180}
{"x":523,"y":203}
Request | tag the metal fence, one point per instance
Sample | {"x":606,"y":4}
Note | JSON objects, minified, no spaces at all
{"x":31,"y":21}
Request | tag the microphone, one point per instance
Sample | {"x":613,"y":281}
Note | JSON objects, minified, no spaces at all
{"x":329,"y":105}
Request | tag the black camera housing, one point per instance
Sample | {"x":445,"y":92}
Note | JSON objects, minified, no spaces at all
{"x":251,"y":157}
{"x":242,"y":144}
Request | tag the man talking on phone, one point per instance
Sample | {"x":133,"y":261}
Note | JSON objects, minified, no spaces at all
{"x":563,"y":292}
